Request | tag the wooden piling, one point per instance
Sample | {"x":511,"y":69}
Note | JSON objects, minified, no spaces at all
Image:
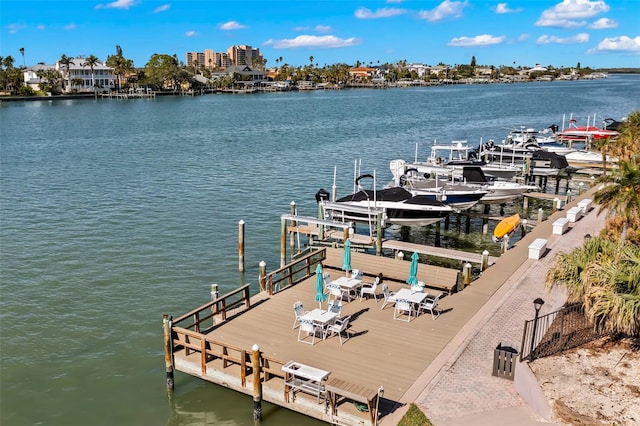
{"x":555,"y":205}
{"x":466,"y":273}
{"x":485,"y":260}
{"x":168,"y":349}
{"x":262,"y":275}
{"x":568,"y":196}
{"x":257,"y":383}
{"x":379,"y":234}
{"x":214,"y":296}
{"x":292,"y":241}
{"x":525,"y":203}
{"x":523,"y":228}
{"x":241,"y":246}
{"x":540,"y":212}
{"x":283,"y":242}
{"x":505,"y":244}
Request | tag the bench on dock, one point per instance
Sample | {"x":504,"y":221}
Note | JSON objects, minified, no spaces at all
{"x":574,"y":214}
{"x":585,"y":205}
{"x":560,"y":226}
{"x":435,"y":277}
{"x":338,"y":389}
{"x":537,"y":248}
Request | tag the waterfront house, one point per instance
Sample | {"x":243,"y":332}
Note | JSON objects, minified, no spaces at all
{"x":80,"y":77}
{"x":31,"y":77}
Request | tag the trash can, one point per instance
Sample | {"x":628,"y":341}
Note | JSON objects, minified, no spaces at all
{"x":504,"y":361}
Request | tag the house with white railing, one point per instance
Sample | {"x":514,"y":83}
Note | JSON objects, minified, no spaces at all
{"x":80,"y":77}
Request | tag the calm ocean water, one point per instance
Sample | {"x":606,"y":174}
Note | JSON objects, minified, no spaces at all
{"x":115,"y":212}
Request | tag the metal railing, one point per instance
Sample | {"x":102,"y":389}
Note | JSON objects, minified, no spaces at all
{"x":556,"y":332}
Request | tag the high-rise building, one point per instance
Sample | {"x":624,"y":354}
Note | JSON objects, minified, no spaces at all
{"x":236,"y":55}
{"x":245,"y":55}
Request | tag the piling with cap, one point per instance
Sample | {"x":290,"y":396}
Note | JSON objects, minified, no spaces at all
{"x":485,"y":260}
{"x":555,"y":204}
{"x":214,"y":296}
{"x":466,"y":273}
{"x":523,"y":228}
{"x":540,"y":213}
{"x":257,"y":383}
{"x":167,"y":321}
{"x":241,"y":246}
{"x":505,"y":243}
{"x":262,"y":277}
{"x":283,"y":242}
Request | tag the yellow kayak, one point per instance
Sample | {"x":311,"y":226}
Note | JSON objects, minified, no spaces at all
{"x":506,"y":226}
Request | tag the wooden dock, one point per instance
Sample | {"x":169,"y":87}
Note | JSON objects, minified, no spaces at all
{"x":380,"y":352}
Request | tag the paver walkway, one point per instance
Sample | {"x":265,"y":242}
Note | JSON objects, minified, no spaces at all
{"x":458,"y":388}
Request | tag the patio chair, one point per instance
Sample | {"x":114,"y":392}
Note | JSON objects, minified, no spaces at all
{"x":356,"y":274}
{"x":298,"y":310}
{"x":417,"y":287}
{"x":339,"y":327}
{"x":370,"y":289}
{"x":335,"y":306}
{"x":326,"y":278}
{"x":389,"y":296}
{"x":309,"y":327}
{"x":430,"y":305}
{"x":338,"y":292}
{"x":403,"y":307}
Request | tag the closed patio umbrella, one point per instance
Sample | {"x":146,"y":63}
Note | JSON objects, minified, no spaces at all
{"x":413,"y":269}
{"x":320,"y":296}
{"x":346,"y":257}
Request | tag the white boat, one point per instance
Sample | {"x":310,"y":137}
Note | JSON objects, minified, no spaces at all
{"x":397,"y":205}
{"x":445,"y":159}
{"x":500,"y":192}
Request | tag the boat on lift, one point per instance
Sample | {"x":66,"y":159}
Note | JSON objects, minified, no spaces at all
{"x":506,"y":227}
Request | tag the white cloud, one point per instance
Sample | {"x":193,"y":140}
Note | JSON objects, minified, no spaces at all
{"x":504,"y":8}
{"x":322,"y":28}
{"x":190,"y":34}
{"x":385,"y":12}
{"x":547,"y":39}
{"x":14,"y":28}
{"x":603,"y":24}
{"x":327,"y":41}
{"x":571,"y":13}
{"x":618,"y":44}
{"x":70,"y":27}
{"x":162,"y":8}
{"x":232,"y":25}
{"x":444,"y":10}
{"x":523,"y":37}
{"x":480,"y":40}
{"x":41,"y":27}
{"x":118,"y":4}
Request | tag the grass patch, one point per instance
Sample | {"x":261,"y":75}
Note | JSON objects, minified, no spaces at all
{"x":414,"y":417}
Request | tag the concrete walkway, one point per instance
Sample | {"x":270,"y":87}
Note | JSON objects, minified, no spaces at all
{"x":458,"y":388}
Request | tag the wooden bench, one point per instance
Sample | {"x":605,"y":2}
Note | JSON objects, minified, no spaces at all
{"x":435,"y":277}
{"x":585,"y":205}
{"x":560,"y":226}
{"x":338,"y":389}
{"x":574,"y":214}
{"x":537,"y":248}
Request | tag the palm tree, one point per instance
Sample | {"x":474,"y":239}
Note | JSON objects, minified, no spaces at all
{"x":628,"y":143}
{"x":91,"y":62}
{"x":605,"y":277}
{"x":622,"y":197}
{"x":66,"y":61}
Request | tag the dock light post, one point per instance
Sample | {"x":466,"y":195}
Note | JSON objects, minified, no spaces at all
{"x":537,"y":304}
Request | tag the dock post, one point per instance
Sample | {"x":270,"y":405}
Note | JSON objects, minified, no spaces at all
{"x":214,"y":296}
{"x":257,"y":383}
{"x":485,"y":260}
{"x":320,"y":227}
{"x":379,"y":234}
{"x":505,"y":244}
{"x":400,"y":255}
{"x":292,"y":241}
{"x":168,"y":349}
{"x":485,"y":226}
{"x":283,"y":242}
{"x":466,"y":274}
{"x":556,"y":201}
{"x":580,"y":188}
{"x":262,"y":277}
{"x":568,"y":196}
{"x":525,"y":203}
{"x":241,"y":246}
{"x":523,"y":229}
{"x":540,"y":212}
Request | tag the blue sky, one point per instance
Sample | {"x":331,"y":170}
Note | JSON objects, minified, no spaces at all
{"x":596,"y":33}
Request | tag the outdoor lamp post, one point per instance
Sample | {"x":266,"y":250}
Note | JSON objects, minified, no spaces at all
{"x":537,"y":304}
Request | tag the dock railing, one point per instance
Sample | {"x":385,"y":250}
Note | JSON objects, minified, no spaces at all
{"x":298,"y":270}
